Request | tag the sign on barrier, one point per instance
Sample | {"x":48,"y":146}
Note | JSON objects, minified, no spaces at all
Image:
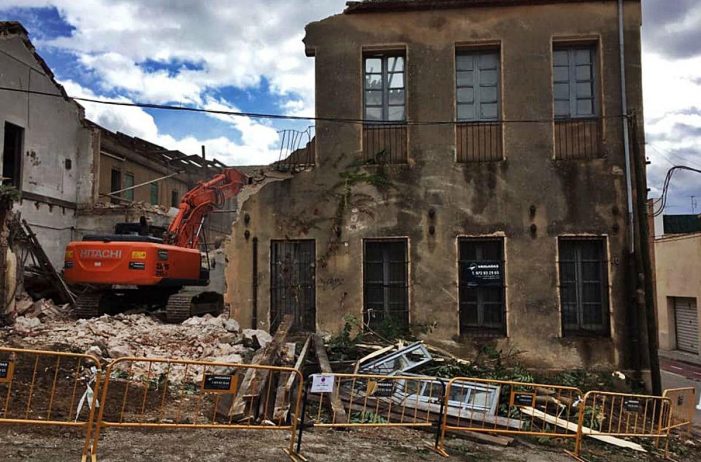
{"x":683,"y":402}
{"x":375,"y":401}
{"x":606,"y":414}
{"x":49,"y":389}
{"x":504,"y":407}
{"x":174,"y":393}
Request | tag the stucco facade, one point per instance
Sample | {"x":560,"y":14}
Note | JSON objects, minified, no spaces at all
{"x":678,"y":278}
{"x":57,"y":149}
{"x":528,"y":200}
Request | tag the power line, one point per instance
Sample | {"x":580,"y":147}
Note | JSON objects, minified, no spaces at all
{"x":259,"y":115}
{"x":665,"y":188}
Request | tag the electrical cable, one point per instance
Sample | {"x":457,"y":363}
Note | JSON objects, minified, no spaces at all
{"x":665,"y":188}
{"x":259,"y":115}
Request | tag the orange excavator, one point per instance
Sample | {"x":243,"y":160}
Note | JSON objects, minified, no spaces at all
{"x":124,"y":270}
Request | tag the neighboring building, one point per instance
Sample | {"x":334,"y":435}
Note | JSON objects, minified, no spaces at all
{"x":165,"y":177}
{"x":48,"y":147}
{"x":677,"y":260}
{"x":66,"y":167}
{"x":502,"y":223}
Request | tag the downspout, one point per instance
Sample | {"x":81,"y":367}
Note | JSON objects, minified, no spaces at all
{"x":632,"y":278}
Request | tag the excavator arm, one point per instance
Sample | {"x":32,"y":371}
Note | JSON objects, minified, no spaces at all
{"x":186,"y":227}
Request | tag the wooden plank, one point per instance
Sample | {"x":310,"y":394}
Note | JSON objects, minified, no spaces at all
{"x":254,"y":381}
{"x":372,"y":355}
{"x":283,"y":396}
{"x":571,"y":426}
{"x":336,"y":405}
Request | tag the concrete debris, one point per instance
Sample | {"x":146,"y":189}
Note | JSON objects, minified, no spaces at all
{"x":43,"y":309}
{"x":232,"y":325}
{"x":139,"y":335}
{"x":256,"y":338}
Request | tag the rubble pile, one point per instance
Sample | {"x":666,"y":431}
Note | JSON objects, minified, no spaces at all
{"x":111,"y":337}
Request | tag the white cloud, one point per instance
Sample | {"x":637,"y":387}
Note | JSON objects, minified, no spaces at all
{"x":258,"y":141}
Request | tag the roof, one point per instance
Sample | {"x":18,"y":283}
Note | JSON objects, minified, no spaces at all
{"x":681,"y":224}
{"x":16,"y":28}
{"x":370,"y":6}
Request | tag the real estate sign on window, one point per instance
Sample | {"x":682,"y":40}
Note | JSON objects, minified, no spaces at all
{"x":485,"y":274}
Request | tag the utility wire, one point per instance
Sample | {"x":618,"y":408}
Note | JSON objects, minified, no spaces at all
{"x":665,"y":188}
{"x":259,"y":115}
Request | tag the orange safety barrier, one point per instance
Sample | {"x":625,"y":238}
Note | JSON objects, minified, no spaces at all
{"x":49,"y":389}
{"x":683,"y":402}
{"x":372,"y":401}
{"x":511,"y":408}
{"x":174,"y":393}
{"x":605,"y":414}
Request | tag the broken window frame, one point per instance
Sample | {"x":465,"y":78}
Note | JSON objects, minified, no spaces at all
{"x":389,"y":285}
{"x":405,"y":356}
{"x":426,"y":395}
{"x":481,"y":327}
{"x":572,"y":291}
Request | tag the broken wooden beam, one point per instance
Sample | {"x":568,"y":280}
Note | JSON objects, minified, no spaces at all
{"x":254,"y":380}
{"x":336,"y":404}
{"x":283,"y":397}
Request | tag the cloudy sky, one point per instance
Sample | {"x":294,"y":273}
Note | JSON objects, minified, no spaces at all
{"x":248,"y":56}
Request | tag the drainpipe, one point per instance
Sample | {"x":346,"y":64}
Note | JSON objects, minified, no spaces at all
{"x":632,"y":267}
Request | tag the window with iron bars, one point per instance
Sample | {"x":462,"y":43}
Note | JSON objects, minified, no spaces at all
{"x":385,"y":283}
{"x":583,"y":286}
{"x":481,"y":287}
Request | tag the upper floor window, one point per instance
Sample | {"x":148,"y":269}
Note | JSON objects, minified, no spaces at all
{"x":154,"y":194}
{"x":574,"y":81}
{"x":129,"y":183}
{"x":477,"y":85}
{"x":385,"y":99}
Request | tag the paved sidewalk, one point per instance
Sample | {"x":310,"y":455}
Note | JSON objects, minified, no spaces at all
{"x":677,"y":374}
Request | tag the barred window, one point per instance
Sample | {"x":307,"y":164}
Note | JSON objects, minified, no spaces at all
{"x":481,"y":281}
{"x":583,"y":286}
{"x":385,"y":282}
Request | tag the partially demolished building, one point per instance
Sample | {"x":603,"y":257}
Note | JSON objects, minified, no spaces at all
{"x":470,"y":179}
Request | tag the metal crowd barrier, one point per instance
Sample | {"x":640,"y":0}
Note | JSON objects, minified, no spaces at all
{"x":372,"y":401}
{"x":605,"y":414}
{"x":512,"y":408}
{"x":683,"y":402}
{"x":172,"y":393}
{"x":49,"y":389}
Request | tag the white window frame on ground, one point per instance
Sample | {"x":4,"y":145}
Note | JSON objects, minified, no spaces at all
{"x":576,"y":287}
{"x":575,"y":81}
{"x":384,"y":87}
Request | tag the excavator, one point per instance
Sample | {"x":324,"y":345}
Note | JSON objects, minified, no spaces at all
{"x":142,"y":270}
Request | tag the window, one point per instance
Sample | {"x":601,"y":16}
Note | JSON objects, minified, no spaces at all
{"x":154,"y":194}
{"x":12,"y":155}
{"x":583,"y":286}
{"x":128,"y":183}
{"x":384,"y":88}
{"x":115,"y":184}
{"x":174,"y":201}
{"x":385,"y":283}
{"x":478,"y":132}
{"x":481,"y":291}
{"x":477,"y":85}
{"x":573,"y":82}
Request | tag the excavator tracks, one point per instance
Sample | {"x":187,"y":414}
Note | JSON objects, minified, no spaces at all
{"x":87,"y":305}
{"x":179,"y":307}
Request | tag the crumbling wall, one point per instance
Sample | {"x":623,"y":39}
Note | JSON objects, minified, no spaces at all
{"x":529,"y":198}
{"x":57,"y":151}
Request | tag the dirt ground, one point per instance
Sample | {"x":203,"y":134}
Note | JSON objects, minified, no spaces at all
{"x":385,"y":445}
